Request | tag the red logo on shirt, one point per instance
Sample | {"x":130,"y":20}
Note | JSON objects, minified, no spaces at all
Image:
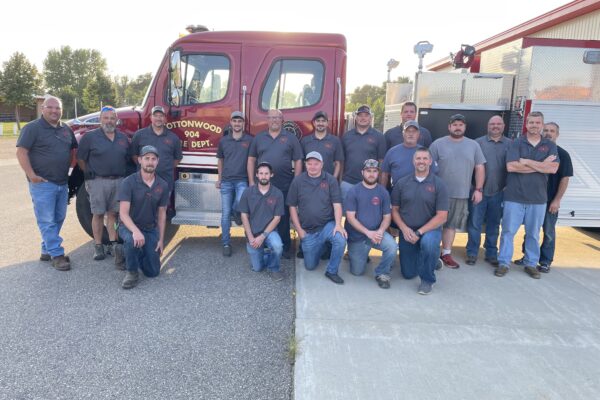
{"x":324,"y":185}
{"x":375,"y":201}
{"x":122,"y":142}
{"x":543,"y":149}
{"x":328,"y":146}
{"x":167,"y":141}
{"x":283,"y":139}
{"x":245,"y":144}
{"x":158,"y":190}
{"x":430,"y":188}
{"x":271,"y":201}
{"x":371,"y":140}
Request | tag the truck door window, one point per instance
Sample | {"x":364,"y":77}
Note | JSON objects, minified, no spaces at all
{"x":293,"y":84}
{"x":206,"y":78}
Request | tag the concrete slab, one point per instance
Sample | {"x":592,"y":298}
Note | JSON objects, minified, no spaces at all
{"x":475,"y":337}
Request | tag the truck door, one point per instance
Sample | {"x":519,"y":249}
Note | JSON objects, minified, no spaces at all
{"x":208,"y":90}
{"x":297,"y":80}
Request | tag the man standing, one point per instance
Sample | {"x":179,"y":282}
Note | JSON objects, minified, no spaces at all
{"x":164,"y":140}
{"x":557,"y":186}
{"x":360,"y":144}
{"x":494,"y":147}
{"x":394,"y":136}
{"x":368,"y":215}
{"x":419,"y":208}
{"x":102,"y":156}
{"x":45,"y":151}
{"x":279,"y":148}
{"x":457,"y":157}
{"x":143,"y":200}
{"x":326,"y":144}
{"x":398,"y":161}
{"x":530,"y":159}
{"x":316,"y":209}
{"x":262,"y":206}
{"x":232,"y":155}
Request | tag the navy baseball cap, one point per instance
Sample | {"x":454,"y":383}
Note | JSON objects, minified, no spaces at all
{"x":364,"y":109}
{"x":320,"y":114}
{"x":458,"y":117}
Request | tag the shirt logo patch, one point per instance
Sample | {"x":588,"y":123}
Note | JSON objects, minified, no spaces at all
{"x":375,"y":201}
{"x":430,"y":188}
{"x":245,"y":144}
{"x":122,"y":142}
{"x":543,"y":149}
{"x":158,"y":190}
{"x":324,"y":185}
{"x":283,"y":140}
{"x":167,"y":141}
{"x":328,"y":146}
{"x":271,"y":201}
{"x":371,"y":140}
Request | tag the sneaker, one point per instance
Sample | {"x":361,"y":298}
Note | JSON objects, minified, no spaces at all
{"x":425,"y":288}
{"x":130,"y":280}
{"x":45,"y":257}
{"x":276,"y":276}
{"x":335,"y":278}
{"x":520,"y":261}
{"x":501,"y":270}
{"x":449,"y":262}
{"x":471,"y":260}
{"x":99,"y":252}
{"x":227,"y":250}
{"x":237,"y":218}
{"x":493,"y":261}
{"x":300,"y":253}
{"x":383,"y":281}
{"x":532,"y":272}
{"x":119,"y":257}
{"x":545,"y":268}
{"x":61,"y":263}
{"x":109,"y":249}
{"x":439,"y":265}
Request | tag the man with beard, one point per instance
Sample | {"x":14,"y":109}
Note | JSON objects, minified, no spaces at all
{"x":368,"y":215}
{"x":232,"y":156}
{"x":457,"y":157}
{"x":395,"y":135}
{"x":45,"y":151}
{"x":102,"y":156}
{"x":494,"y":146}
{"x":143,"y":200}
{"x":279,"y":148}
{"x":419,"y":208}
{"x":262,"y":206}
{"x":530,"y":159}
{"x":316,"y":209}
{"x":163,"y":139}
{"x":360,"y":144}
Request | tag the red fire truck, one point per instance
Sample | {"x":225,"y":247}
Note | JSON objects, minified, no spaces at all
{"x":204,"y":77}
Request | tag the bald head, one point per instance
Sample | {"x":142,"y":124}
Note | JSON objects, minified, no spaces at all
{"x":495,"y":126}
{"x":52,"y":110}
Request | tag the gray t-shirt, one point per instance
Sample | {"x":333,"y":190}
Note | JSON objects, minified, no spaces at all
{"x":235,"y":157}
{"x":104,"y":157}
{"x":261,"y":208}
{"x":495,"y":163}
{"x":456,"y":161}
{"x":314,"y":198}
{"x":49,"y":149}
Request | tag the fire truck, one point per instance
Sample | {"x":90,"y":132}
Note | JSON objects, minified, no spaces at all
{"x":203,"y":78}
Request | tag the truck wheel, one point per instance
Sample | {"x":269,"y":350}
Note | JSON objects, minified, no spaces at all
{"x":84,"y":214}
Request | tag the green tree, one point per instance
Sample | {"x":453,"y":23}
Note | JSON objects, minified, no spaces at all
{"x":67,"y":73}
{"x":130,"y":92}
{"x":99,"y":91}
{"x":19,"y":83}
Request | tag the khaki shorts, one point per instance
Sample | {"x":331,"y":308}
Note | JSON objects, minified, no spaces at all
{"x":458,"y":212}
{"x":103,"y":194}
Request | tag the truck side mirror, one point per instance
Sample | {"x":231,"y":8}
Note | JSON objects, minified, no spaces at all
{"x":176,"y":87}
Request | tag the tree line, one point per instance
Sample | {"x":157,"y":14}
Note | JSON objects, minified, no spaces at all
{"x":79,"y":77}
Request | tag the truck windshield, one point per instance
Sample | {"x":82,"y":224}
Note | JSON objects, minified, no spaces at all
{"x":206,"y":78}
{"x":293,"y":84}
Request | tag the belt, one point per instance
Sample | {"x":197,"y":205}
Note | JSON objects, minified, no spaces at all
{"x":110,"y":177}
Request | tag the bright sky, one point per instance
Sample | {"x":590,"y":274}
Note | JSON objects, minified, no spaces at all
{"x":133,"y":39}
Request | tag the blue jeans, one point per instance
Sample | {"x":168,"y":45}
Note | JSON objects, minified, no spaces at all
{"x":260,"y":259}
{"x":549,"y":239}
{"x":283,"y":227}
{"x":50,"y":209}
{"x":515,"y":214}
{"x":489,"y":210}
{"x":359,"y":251}
{"x":313,"y":245}
{"x":146,"y":257}
{"x":420,"y":258}
{"x":231,"y":193}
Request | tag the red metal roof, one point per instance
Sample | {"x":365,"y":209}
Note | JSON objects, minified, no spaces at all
{"x":552,"y":18}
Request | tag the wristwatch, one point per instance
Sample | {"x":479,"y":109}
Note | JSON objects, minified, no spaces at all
{"x":480,"y":190}
{"x":418,"y":233}
{"x":265,"y":234}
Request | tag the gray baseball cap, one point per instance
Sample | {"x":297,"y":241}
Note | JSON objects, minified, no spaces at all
{"x":148,"y":149}
{"x":412,"y":123}
{"x":237,"y":114}
{"x":158,"y":109}
{"x":314,"y":154}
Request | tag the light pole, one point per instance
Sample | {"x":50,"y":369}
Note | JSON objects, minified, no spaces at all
{"x":420,"y":49}
{"x":391,"y":65}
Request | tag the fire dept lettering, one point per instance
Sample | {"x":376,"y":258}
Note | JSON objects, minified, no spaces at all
{"x":188,"y":123}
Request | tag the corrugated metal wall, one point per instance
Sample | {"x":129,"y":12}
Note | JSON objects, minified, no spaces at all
{"x":502,"y":59}
{"x":586,"y":27}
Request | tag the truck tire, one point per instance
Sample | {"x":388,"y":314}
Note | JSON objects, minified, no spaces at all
{"x":84,"y":214}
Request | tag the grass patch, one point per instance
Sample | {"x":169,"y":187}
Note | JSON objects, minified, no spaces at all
{"x":8,"y":129}
{"x":293,"y":349}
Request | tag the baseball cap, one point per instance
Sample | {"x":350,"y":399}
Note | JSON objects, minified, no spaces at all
{"x":458,"y":117}
{"x":264,"y":164}
{"x":412,"y":123}
{"x":314,"y":154}
{"x":148,"y":149}
{"x":320,"y":114}
{"x":158,"y":109}
{"x":370,"y":163}
{"x":363,"y":109}
{"x":237,"y":114}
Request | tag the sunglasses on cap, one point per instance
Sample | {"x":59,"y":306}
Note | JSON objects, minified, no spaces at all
{"x":107,"y":108}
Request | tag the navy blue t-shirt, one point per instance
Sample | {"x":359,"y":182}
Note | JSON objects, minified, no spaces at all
{"x":564,"y":169}
{"x":144,"y":200}
{"x":370,"y":206}
{"x":261,"y":208}
{"x":104,"y":157}
{"x":234,"y":153}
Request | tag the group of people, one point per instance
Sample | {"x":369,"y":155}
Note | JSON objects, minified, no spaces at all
{"x":47,"y":150}
{"x":351,"y":192}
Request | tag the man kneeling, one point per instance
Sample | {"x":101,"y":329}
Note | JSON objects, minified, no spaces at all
{"x":143,"y":200}
{"x":262,"y":206}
